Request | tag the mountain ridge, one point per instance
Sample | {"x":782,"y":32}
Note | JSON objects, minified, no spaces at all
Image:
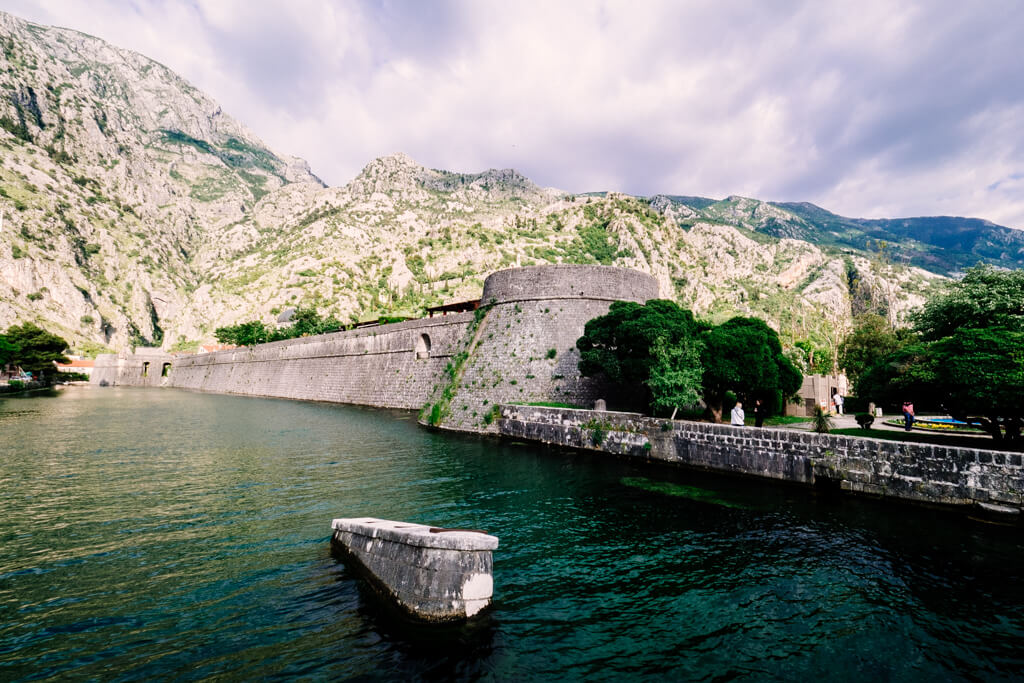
{"x":158,"y":226}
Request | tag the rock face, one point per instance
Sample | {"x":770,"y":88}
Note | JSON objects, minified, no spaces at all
{"x":119,"y":183}
{"x":136,"y":212}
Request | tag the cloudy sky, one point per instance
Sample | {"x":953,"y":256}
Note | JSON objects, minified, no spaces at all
{"x":868,"y":108}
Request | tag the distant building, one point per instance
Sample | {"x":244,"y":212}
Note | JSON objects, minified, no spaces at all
{"x":213,"y":348}
{"x":285,"y":318}
{"x":817,"y":390}
{"x":80,"y":365}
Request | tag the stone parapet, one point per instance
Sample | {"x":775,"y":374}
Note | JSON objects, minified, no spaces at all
{"x":918,"y":472}
{"x":605,"y":283}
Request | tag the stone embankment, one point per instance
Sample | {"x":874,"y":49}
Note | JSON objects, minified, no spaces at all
{"x":923,"y":473}
{"x":432,"y":574}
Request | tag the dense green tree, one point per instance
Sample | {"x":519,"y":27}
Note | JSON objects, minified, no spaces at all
{"x":814,"y":358}
{"x":632,"y":340}
{"x":305,"y":322}
{"x":744,"y":355}
{"x":970,"y":362}
{"x":984,"y":298}
{"x":676,"y":373}
{"x":870,"y":342}
{"x":37,"y":349}
{"x":8,"y":350}
{"x":244,"y":334}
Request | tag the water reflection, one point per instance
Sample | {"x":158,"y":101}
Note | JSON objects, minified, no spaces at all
{"x":164,"y":534}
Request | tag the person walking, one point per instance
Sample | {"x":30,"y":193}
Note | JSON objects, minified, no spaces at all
{"x":908,"y":415}
{"x":758,"y":413}
{"x":737,"y":415}
{"x":837,"y":400}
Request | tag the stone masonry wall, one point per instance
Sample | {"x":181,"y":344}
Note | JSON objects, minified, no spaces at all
{"x":918,"y":472}
{"x":520,"y":346}
{"x":523,"y":348}
{"x":375,"y":366}
{"x":144,"y":368}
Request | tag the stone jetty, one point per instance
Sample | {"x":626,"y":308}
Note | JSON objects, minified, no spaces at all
{"x":432,"y":574}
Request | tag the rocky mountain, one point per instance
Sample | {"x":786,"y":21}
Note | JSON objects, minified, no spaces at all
{"x":137,"y":212}
{"x":119,"y":184}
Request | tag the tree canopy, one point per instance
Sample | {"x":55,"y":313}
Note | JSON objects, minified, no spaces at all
{"x":679,"y":359}
{"x":8,"y":350}
{"x":744,"y":355}
{"x":870,"y":341}
{"x":984,"y":298}
{"x":619,"y":343}
{"x":970,"y":360}
{"x":305,"y":322}
{"x":33,"y":349}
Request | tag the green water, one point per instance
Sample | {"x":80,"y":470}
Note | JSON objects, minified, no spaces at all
{"x":161,"y":534}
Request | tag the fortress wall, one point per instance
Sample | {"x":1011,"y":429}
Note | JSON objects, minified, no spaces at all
{"x":375,"y":366}
{"x":144,"y":368}
{"x":529,"y":312}
{"x":501,"y":352}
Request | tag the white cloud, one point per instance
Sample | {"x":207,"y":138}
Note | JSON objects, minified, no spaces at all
{"x":868,"y":108}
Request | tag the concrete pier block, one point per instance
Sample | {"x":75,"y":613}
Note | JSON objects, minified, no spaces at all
{"x":432,"y":574}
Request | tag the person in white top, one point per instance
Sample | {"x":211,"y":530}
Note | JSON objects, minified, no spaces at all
{"x":837,"y":400}
{"x":737,"y":415}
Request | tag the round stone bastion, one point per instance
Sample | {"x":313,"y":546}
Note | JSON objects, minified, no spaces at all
{"x":604,"y":283}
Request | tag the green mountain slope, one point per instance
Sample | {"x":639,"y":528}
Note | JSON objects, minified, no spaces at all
{"x":136,"y":211}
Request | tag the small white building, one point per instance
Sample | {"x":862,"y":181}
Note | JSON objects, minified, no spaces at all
{"x":817,"y":390}
{"x":80,"y":365}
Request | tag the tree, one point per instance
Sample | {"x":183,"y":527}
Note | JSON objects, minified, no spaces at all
{"x":8,"y":350}
{"x":815,"y":359}
{"x":970,"y":361}
{"x":307,"y":322}
{"x":647,"y":345}
{"x":37,"y":349}
{"x":244,"y":334}
{"x":676,"y":374}
{"x":979,"y":373}
{"x":870,"y":342}
{"x":744,"y":355}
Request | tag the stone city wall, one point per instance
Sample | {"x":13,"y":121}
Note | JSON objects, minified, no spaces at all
{"x":522,"y":347}
{"x":519,"y":346}
{"x":918,"y":472}
{"x":390,"y":366}
{"x":144,"y":368}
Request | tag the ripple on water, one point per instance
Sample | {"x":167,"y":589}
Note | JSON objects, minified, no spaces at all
{"x":164,"y":534}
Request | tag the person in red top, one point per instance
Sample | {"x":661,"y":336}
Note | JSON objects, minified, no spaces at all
{"x":908,"y":415}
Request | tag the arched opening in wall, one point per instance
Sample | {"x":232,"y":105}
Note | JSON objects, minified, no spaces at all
{"x":423,"y":346}
{"x":145,"y":369}
{"x":165,"y":370}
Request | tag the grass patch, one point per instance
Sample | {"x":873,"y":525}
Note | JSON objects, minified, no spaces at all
{"x":782,"y":420}
{"x":935,"y":439}
{"x":552,"y":404}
